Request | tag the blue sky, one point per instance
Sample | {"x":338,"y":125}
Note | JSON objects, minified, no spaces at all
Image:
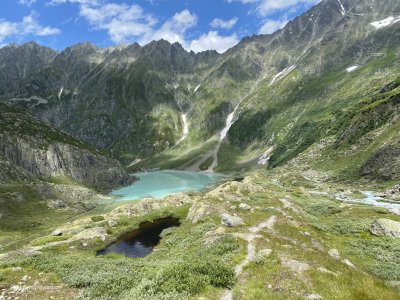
{"x":197,"y":24}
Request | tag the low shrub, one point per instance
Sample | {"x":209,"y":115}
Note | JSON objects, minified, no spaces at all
{"x":350,"y":226}
{"x":97,"y":218}
{"x":383,"y":254}
{"x":322,"y":209}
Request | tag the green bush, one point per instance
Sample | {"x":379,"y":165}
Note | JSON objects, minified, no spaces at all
{"x":322,"y":209}
{"x":383,"y":254}
{"x":97,"y":218}
{"x":224,"y":245}
{"x":350,"y":226}
{"x":193,"y":276}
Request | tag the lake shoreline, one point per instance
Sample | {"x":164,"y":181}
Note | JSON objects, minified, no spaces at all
{"x":161,"y":183}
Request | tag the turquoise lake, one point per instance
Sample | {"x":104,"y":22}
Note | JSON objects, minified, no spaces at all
{"x":159,"y":184}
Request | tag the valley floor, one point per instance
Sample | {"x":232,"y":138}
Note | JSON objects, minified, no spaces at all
{"x":274,"y":235}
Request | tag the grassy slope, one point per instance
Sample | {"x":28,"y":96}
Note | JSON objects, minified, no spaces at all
{"x":25,"y":217}
{"x":297,"y":112}
{"x":291,"y":115}
{"x":185,"y":267}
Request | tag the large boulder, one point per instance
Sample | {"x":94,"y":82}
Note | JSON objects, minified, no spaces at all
{"x":297,"y":267}
{"x":395,"y":211}
{"x":394,"y":192}
{"x":244,"y":206}
{"x":334,"y":253}
{"x":231,"y":221}
{"x":56,"y":233}
{"x":385,"y":227}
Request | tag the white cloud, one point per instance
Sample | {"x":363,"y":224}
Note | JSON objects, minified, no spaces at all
{"x":213,"y":40}
{"x":27,"y":2}
{"x":243,"y":1}
{"x":7,"y":29}
{"x":228,"y":24}
{"x":123,"y":22}
{"x":270,"y":26}
{"x":28,"y":26}
{"x":56,"y":2}
{"x":268,"y":7}
{"x":174,"y":29}
{"x":128,"y":23}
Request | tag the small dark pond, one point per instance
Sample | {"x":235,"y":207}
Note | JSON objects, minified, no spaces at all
{"x":140,"y":242}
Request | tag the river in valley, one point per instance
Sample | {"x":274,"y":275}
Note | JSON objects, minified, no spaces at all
{"x":371,"y":198}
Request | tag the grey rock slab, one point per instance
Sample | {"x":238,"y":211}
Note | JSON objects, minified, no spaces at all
{"x":231,"y":221}
{"x":385,"y":227}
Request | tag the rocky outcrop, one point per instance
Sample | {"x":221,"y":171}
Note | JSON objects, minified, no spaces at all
{"x":146,"y":206}
{"x":90,"y":234}
{"x":385,"y":164}
{"x":231,"y":220}
{"x":235,"y":191}
{"x":32,"y":149}
{"x":62,"y":160}
{"x":10,"y":171}
{"x":393,"y":192}
{"x":296,"y":267}
{"x":201,"y":210}
{"x":386,"y":227}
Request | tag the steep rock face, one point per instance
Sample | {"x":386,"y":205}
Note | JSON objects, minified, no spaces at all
{"x":35,"y":150}
{"x":60,"y":159}
{"x":19,"y":62}
{"x":385,"y":164}
{"x":9,"y":171}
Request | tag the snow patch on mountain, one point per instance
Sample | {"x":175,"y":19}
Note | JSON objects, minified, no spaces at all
{"x":60,"y":93}
{"x":342,"y":9}
{"x":351,"y":69}
{"x":385,"y":22}
{"x":282,"y":74}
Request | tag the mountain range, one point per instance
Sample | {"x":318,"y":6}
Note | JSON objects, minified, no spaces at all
{"x":290,"y":89}
{"x":304,"y":125}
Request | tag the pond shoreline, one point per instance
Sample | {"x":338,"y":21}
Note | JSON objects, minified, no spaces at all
{"x":141,"y":241}
{"x":159,"y":184}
